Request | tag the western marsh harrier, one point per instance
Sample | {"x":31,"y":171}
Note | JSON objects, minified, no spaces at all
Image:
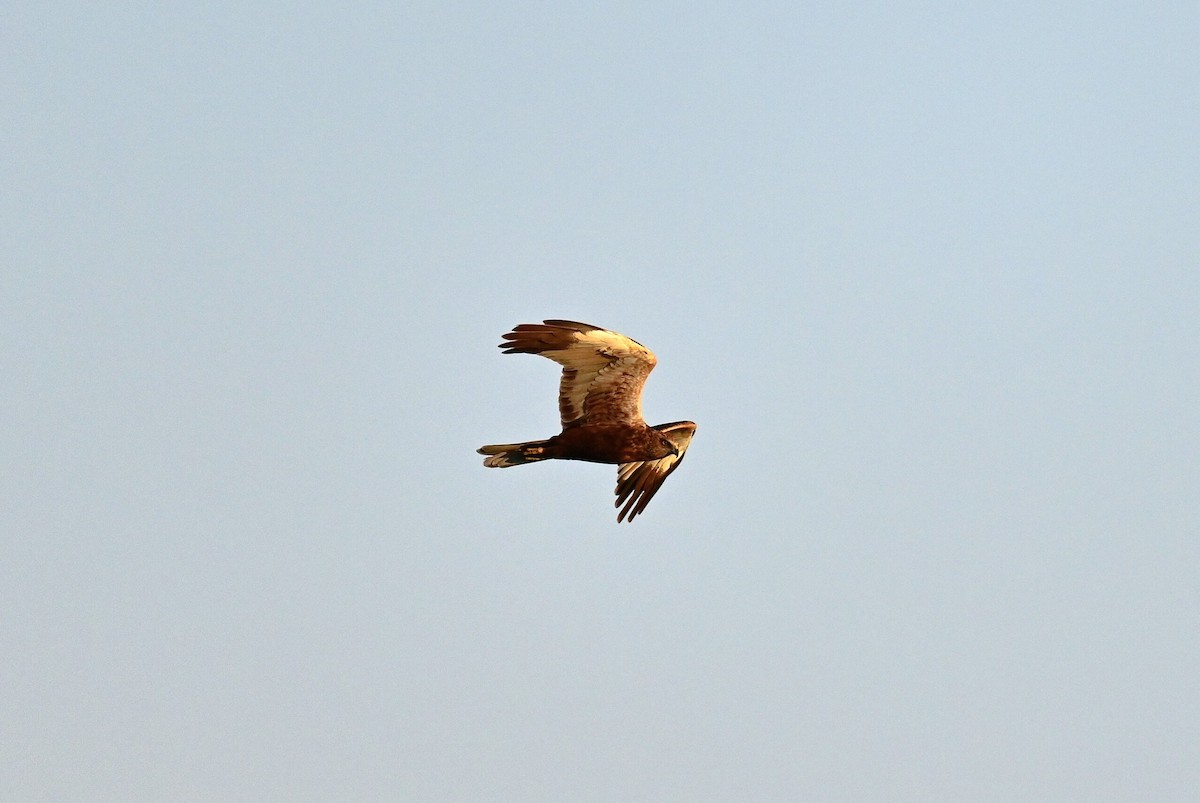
{"x":600,"y":400}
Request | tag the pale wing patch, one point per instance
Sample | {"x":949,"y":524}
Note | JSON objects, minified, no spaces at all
{"x":614,"y":393}
{"x":603,"y":371}
{"x":637,"y":483}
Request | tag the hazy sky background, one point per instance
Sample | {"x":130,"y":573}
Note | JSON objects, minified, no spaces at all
{"x":925,"y":274}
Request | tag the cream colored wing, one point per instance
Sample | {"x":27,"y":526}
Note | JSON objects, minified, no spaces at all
{"x":638,"y":482}
{"x":603,"y":372}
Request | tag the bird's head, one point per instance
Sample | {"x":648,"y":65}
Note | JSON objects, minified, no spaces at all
{"x":676,"y":436}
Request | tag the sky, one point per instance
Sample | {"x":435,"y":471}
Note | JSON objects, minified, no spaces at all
{"x":924,"y":274}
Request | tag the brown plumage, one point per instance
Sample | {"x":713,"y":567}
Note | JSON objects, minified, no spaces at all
{"x":600,"y":403}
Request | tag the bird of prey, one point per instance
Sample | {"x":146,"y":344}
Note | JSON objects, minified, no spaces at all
{"x":600,"y":401}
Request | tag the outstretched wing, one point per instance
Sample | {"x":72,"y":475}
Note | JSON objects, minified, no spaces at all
{"x":638,"y":482}
{"x":603,"y":372}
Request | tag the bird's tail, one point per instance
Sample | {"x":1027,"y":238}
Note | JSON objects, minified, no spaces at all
{"x":504,"y":455}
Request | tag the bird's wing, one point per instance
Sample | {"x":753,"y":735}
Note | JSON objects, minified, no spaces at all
{"x":603,"y":372}
{"x":638,"y":482}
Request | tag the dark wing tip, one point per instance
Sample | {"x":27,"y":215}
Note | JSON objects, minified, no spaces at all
{"x":534,"y":338}
{"x":636,"y":489}
{"x":576,"y":325}
{"x":523,"y":339}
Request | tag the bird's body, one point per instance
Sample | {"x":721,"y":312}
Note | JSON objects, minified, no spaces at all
{"x":599,"y":402}
{"x":603,"y":443}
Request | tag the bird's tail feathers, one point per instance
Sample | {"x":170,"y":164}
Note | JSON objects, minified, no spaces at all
{"x":504,"y":455}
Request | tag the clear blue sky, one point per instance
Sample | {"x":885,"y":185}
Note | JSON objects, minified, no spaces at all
{"x":925,"y":274}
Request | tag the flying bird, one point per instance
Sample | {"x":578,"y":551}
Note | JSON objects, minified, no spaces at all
{"x":600,"y":401}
